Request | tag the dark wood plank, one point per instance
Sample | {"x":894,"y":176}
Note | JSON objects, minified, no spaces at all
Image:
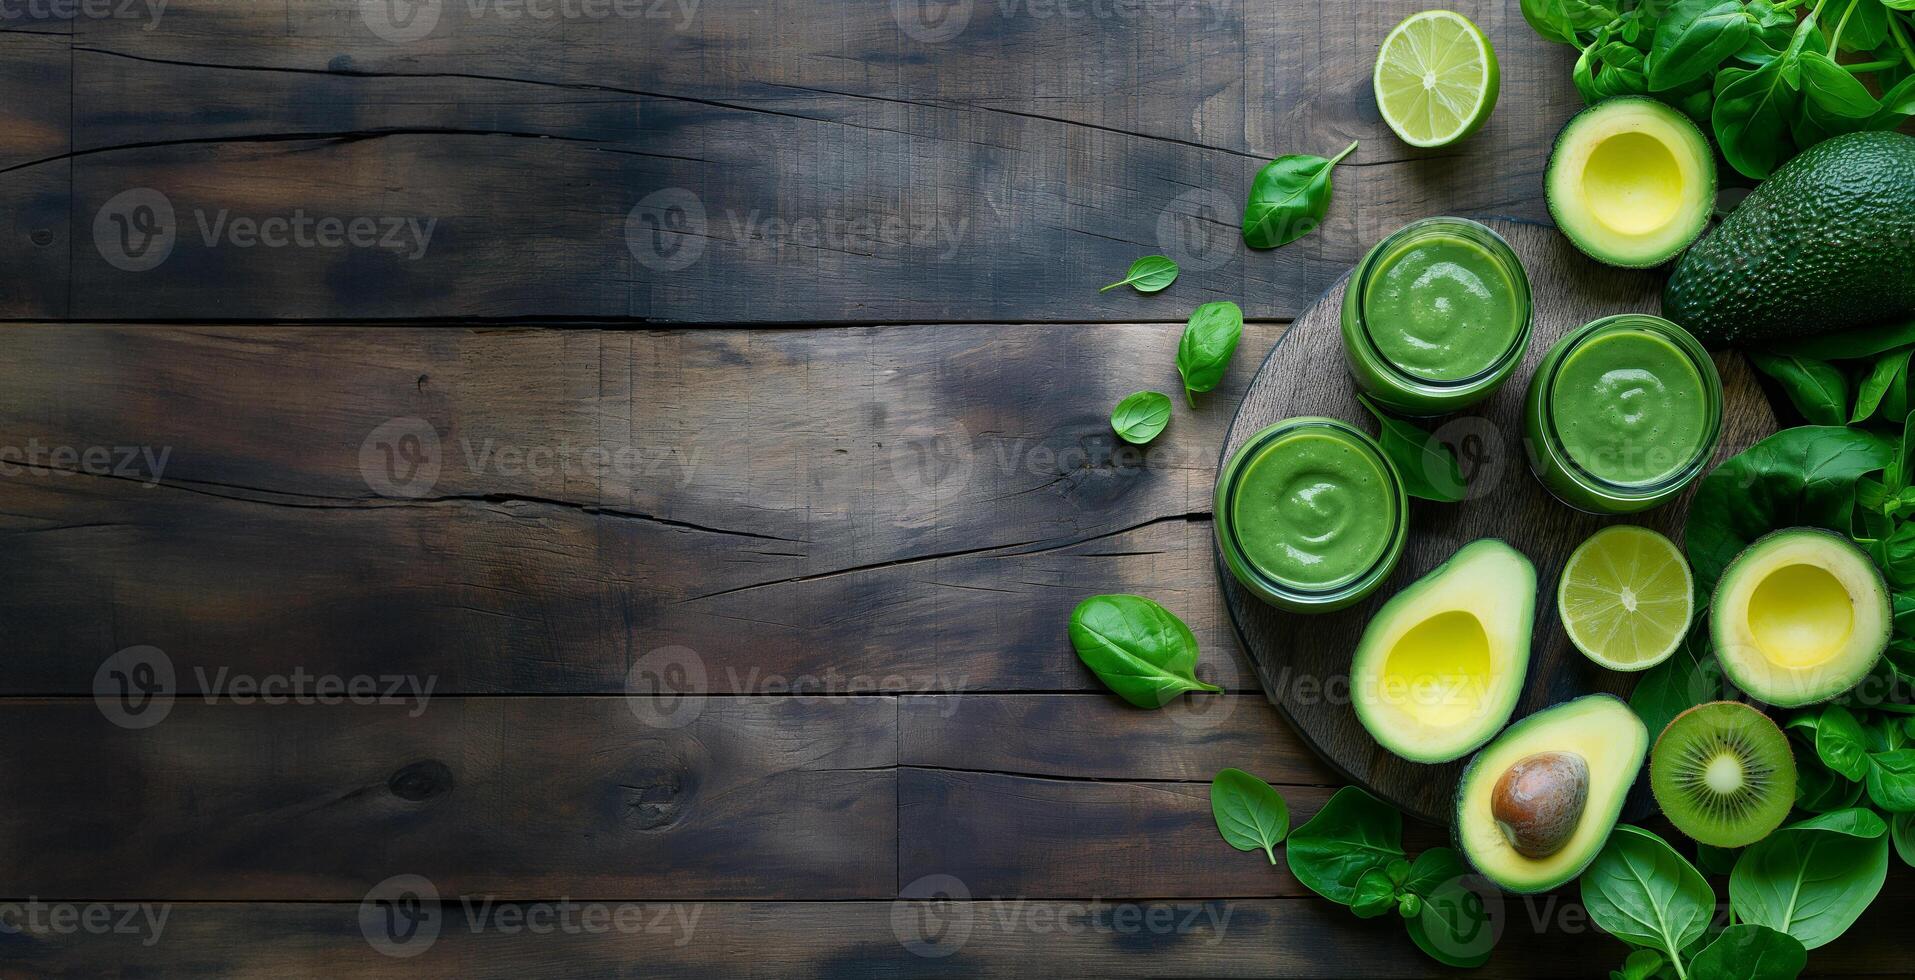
{"x":36,"y":237}
{"x":1300,"y":657}
{"x":1003,"y":173}
{"x":514,"y":797}
{"x":918,"y":508}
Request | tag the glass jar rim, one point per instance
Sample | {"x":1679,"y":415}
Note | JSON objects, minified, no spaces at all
{"x":1399,"y":522}
{"x":1698,"y":357}
{"x":1498,"y":247}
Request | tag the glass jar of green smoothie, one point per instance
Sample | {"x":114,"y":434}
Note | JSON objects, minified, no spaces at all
{"x":1310,"y":514}
{"x":1436,"y":316}
{"x":1623,"y":413}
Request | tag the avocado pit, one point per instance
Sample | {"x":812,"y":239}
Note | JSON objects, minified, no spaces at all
{"x":1538,"y":801}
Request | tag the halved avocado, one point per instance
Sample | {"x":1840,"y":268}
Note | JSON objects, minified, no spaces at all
{"x":1439,"y":667}
{"x":1608,"y":739}
{"x":1800,"y":616}
{"x":1631,"y":181}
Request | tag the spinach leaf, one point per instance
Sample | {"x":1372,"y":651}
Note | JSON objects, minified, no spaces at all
{"x":1559,"y":20}
{"x":1209,"y":341}
{"x":1608,"y":68}
{"x":1831,"y":87}
{"x":1861,"y":25}
{"x":1902,"y":831}
{"x":1141,"y":416}
{"x":1689,"y":677}
{"x":1137,"y":648}
{"x":1840,"y":744}
{"x":1856,"y":342}
{"x":1898,"y":103}
{"x":1868,"y":395}
{"x":1750,"y":952}
{"x":1891,"y":780}
{"x":1428,"y":467}
{"x":1751,"y":117}
{"x":1694,"y":37}
{"x":1716,"y":860}
{"x":1800,"y":476}
{"x":1812,"y":879}
{"x":1818,"y":790}
{"x":1641,"y":965}
{"x":1353,"y":833}
{"x":1289,"y":199}
{"x":1643,"y":893}
{"x":1451,"y":923}
{"x":1817,"y":389}
{"x":1375,"y":894}
{"x":1147,"y":275}
{"x":1251,"y":815}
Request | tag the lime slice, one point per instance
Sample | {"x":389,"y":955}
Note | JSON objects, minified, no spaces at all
{"x":1435,"y":78}
{"x":1626,"y":597}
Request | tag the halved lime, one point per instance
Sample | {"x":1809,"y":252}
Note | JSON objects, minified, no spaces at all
{"x":1436,"y":78}
{"x":1626,"y":597}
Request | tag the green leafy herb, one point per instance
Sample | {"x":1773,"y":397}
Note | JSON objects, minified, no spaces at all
{"x":1141,"y":416}
{"x":1868,"y":395}
{"x":1751,"y":117}
{"x":1750,"y":952}
{"x":1839,"y":742}
{"x":1641,"y":965}
{"x":1147,"y":275}
{"x":1289,"y":199}
{"x":1812,"y":879}
{"x":1352,"y":834}
{"x":1832,"y":88}
{"x":1560,"y":20}
{"x":1451,"y":923}
{"x":1209,"y":341}
{"x":1696,"y":36}
{"x":1375,"y":894}
{"x":1818,"y":790}
{"x":1137,"y":648}
{"x":1817,"y":389}
{"x":1428,"y":467}
{"x":1857,"y":342}
{"x":1891,"y":780}
{"x":1251,"y":815}
{"x":1902,"y":831}
{"x":1689,"y":677}
{"x":1642,"y":892}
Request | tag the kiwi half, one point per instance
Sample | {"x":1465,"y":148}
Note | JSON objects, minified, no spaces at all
{"x":1723,"y":774}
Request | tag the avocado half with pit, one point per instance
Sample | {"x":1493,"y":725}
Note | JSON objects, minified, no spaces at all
{"x":1631,"y":182}
{"x":1800,"y":616}
{"x":1535,"y":807}
{"x":1440,"y":665}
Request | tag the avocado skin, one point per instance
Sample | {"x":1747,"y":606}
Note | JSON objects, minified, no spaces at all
{"x":1823,"y":245}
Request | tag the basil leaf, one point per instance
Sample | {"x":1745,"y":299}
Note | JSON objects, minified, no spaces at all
{"x":1289,"y":199}
{"x":1817,"y":389}
{"x":1891,"y":780}
{"x":1812,"y":879}
{"x":1141,"y":416}
{"x":1898,"y":104}
{"x":1750,"y":952}
{"x":1868,"y":395}
{"x":1209,"y":341}
{"x":1855,"y":342}
{"x":1751,"y":117}
{"x":1353,"y":833}
{"x":1840,"y":744}
{"x":1609,"y":68}
{"x":1800,"y":476}
{"x":1251,"y":815}
{"x":1641,"y":965}
{"x":1832,"y":87}
{"x":1559,"y":20}
{"x":1137,"y":648}
{"x":1694,"y":37}
{"x":1147,"y":275}
{"x":1428,"y":467}
{"x":1863,"y":23}
{"x":1451,"y":923}
{"x":1642,"y":892}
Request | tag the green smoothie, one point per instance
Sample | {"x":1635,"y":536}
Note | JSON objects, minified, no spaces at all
{"x":1314,"y":510}
{"x":1442,"y":308}
{"x":1630,"y":407}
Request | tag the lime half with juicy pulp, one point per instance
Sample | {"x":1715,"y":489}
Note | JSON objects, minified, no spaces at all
{"x":1436,"y":78}
{"x":1626,"y":597}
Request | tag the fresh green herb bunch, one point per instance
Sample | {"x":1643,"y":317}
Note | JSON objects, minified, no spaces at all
{"x":1769,"y":77}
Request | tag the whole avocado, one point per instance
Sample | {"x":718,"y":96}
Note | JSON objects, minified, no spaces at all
{"x":1825,"y":244}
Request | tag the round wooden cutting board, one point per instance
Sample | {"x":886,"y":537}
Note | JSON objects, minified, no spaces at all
{"x":1304,"y":661}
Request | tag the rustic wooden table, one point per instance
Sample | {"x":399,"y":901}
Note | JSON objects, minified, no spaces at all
{"x":380,"y":527}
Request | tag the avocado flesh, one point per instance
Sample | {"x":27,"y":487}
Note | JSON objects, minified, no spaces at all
{"x":1440,"y":665}
{"x":1631,"y":182}
{"x":1823,"y":245}
{"x":1799,"y":617}
{"x":1612,"y":743}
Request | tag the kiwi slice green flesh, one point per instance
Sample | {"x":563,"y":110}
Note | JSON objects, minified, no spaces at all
{"x":1723,"y":774}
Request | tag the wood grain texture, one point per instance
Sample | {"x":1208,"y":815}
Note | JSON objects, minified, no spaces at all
{"x":1303,"y":661}
{"x":846,"y":162}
